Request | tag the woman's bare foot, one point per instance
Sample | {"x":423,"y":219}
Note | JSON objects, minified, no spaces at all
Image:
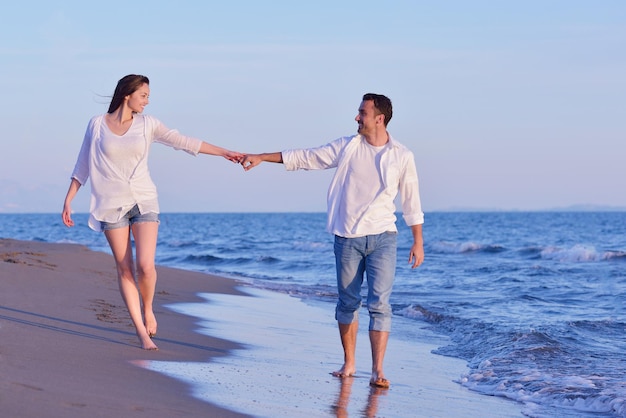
{"x":151,"y":323}
{"x":147,"y":343}
{"x":345,"y":371}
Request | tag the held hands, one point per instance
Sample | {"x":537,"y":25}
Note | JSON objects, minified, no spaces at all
{"x":250,"y":161}
{"x":234,"y":156}
{"x":247,"y":161}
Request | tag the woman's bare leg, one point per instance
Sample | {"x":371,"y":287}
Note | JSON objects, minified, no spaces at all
{"x":145,"y":234}
{"x":119,"y":241}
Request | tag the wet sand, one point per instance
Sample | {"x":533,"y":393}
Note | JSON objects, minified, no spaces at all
{"x":68,"y":349}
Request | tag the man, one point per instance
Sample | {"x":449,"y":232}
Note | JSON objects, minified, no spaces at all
{"x":371,"y":169}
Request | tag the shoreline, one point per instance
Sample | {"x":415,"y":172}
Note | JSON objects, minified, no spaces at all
{"x":67,"y":347}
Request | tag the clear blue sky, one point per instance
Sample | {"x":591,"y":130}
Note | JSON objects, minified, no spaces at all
{"x":506,"y":105}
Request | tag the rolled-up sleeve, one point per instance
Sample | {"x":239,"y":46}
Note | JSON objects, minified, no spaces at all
{"x":409,"y":193}
{"x":81,"y":169}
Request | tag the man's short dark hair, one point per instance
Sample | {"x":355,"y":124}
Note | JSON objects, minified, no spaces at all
{"x":382,"y":104}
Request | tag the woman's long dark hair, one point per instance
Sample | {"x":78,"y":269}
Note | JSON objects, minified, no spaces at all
{"x":125,"y":87}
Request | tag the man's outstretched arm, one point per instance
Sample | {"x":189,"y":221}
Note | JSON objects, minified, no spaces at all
{"x":252,"y":160}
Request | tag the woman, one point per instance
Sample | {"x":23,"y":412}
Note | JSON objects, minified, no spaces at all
{"x":114,"y":156}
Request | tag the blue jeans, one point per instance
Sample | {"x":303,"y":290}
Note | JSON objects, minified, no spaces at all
{"x":375,"y":257}
{"x":131,"y":217}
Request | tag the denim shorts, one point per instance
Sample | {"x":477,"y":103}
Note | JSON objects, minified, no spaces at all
{"x":374,"y":257}
{"x":131,"y":217}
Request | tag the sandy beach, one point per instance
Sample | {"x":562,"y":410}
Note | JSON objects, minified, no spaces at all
{"x":68,"y":349}
{"x":67,"y":344}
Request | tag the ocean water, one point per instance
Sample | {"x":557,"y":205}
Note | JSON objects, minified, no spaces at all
{"x":533,"y":302}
